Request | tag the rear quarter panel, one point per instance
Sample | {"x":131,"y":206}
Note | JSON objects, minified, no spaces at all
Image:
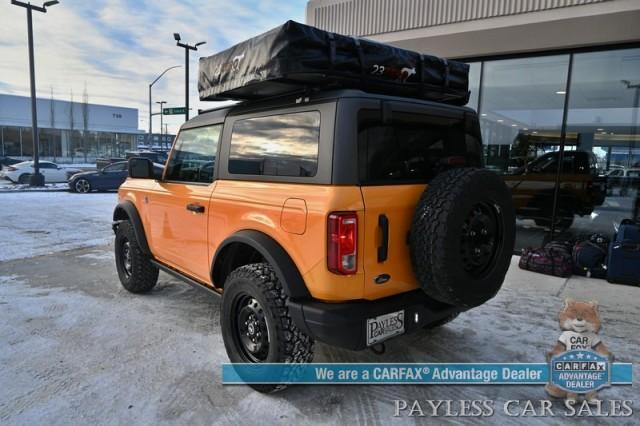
{"x":239,"y":205}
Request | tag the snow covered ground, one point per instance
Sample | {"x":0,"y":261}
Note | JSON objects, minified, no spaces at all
{"x":76,"y":348}
{"x":8,"y":186}
{"x":33,"y":224}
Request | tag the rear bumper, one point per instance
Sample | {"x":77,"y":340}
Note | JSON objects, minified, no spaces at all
{"x":344,"y":324}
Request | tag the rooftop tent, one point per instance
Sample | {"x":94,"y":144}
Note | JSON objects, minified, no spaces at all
{"x":295,"y":58}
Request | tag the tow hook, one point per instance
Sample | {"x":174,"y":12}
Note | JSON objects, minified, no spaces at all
{"x":378,"y":348}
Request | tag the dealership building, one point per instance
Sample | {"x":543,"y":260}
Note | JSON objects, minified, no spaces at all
{"x":68,"y":131}
{"x":545,"y":76}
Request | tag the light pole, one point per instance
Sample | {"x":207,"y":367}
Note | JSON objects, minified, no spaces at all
{"x":161,"y":103}
{"x":187,"y":48}
{"x":151,"y":85}
{"x":36,"y":179}
{"x":634,"y":115}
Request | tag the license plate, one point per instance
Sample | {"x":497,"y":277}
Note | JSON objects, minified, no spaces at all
{"x":385,"y":326}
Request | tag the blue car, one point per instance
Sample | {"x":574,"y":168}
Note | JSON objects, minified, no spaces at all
{"x":105,"y":179}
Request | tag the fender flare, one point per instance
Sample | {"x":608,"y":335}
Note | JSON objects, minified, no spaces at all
{"x":286,"y":270}
{"x":128,"y":209}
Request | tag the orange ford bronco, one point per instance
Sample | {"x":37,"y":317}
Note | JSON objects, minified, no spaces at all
{"x":341,"y":216}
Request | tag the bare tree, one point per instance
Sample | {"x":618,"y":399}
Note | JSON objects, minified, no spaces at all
{"x":72,"y":148}
{"x":85,"y":120}
{"x":52,"y":119}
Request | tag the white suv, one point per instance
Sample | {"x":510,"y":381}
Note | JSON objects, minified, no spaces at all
{"x":20,"y":172}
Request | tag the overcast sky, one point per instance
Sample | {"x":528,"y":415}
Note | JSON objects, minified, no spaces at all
{"x":117,"y":47}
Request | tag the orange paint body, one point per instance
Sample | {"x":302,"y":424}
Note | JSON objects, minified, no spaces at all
{"x":294,"y":215}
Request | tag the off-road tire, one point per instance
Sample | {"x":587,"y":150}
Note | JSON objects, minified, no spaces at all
{"x":441,"y":322}
{"x":439,"y":237}
{"x":141,"y":275}
{"x":287,"y":343}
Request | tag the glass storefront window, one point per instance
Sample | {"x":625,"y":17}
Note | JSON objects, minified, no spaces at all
{"x":11,"y":141}
{"x":603,"y":123}
{"x":521,"y":115}
{"x":50,"y":147}
{"x":27,"y":142}
{"x":65,"y":146}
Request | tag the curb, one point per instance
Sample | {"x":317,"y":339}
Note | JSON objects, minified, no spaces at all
{"x":14,"y":191}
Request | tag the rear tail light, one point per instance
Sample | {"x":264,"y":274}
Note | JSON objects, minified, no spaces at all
{"x":342,"y":243}
{"x":11,"y":169}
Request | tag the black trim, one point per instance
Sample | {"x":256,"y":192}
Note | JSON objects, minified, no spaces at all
{"x":553,"y":52}
{"x":292,"y":282}
{"x":179,"y":275}
{"x":383,"y":248}
{"x":134,"y":217}
{"x":344,"y":324}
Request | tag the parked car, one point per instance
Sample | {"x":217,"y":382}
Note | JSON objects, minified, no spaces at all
{"x":623,"y":179}
{"x":8,"y":161}
{"x":20,"y":172}
{"x":581,"y":188}
{"x":105,"y":179}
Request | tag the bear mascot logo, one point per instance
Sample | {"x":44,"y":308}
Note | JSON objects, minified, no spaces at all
{"x":580,"y":324}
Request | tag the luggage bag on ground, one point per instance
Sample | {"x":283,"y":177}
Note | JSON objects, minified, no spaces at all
{"x":553,"y":259}
{"x":624,"y":254}
{"x":590,"y":256}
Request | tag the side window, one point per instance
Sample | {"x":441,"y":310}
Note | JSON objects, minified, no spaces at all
{"x":45,"y":165}
{"x":194,"y":155}
{"x":118,"y":167}
{"x":411,"y":147}
{"x":277,"y":145}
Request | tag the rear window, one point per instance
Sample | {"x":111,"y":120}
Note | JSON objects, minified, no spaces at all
{"x":412,"y":147}
{"x":277,"y":145}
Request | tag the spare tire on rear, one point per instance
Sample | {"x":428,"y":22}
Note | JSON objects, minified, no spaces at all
{"x":462,"y":236}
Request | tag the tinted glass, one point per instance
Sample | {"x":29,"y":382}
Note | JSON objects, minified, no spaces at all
{"x":45,"y":165}
{"x":278,"y":145}
{"x":521,"y":118}
{"x":194,"y":155}
{"x":412,"y":147}
{"x":118,"y":167}
{"x":603,"y":124}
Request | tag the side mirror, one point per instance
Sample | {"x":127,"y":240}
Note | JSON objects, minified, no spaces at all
{"x":141,"y":168}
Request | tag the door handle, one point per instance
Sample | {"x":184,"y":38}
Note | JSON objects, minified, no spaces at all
{"x":196,"y":208}
{"x":383,"y":248}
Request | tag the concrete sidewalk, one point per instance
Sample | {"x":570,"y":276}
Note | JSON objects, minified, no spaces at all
{"x":575,"y":287}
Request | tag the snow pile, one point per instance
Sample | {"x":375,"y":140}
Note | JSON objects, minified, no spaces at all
{"x":37,"y":223}
{"x":19,"y":187}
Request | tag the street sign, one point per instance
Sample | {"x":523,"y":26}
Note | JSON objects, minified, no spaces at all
{"x":174,"y":111}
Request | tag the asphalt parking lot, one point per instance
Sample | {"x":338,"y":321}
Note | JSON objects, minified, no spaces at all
{"x":76,"y":348}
